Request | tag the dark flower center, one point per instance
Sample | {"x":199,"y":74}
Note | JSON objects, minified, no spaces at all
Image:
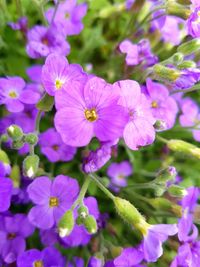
{"x":91,"y":115}
{"x":45,"y":41}
{"x":121,"y":176}
{"x":38,"y":264}
{"x":55,"y":147}
{"x":11,"y":236}
{"x":53,"y":202}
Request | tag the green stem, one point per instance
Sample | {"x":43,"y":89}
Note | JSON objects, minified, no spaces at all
{"x":37,"y":121}
{"x":142,"y":185}
{"x":82,"y":193}
{"x":162,"y":139}
{"x":130,"y":155}
{"x":19,"y":7}
{"x":101,"y":186}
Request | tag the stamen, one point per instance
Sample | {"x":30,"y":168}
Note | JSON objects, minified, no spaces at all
{"x":91,"y":115}
{"x":154,"y":104}
{"x":38,"y":264}
{"x":58,"y":84}
{"x":12,"y":94}
{"x":53,"y":202}
{"x":11,"y":236}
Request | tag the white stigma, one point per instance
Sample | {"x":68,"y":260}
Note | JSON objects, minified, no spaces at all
{"x":30,"y":172}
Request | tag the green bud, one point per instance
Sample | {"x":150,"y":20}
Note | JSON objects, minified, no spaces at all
{"x":66,"y":224}
{"x":30,"y":165}
{"x":31,"y":139}
{"x":187,"y":64}
{"x":90,"y":224}
{"x":17,"y":144}
{"x":127,"y":211}
{"x":159,"y":190}
{"x":164,"y":204}
{"x":189,"y":47}
{"x":160,"y":125}
{"x":175,"y":9}
{"x":177,"y":58}
{"x":83,"y":211}
{"x":79,"y":220}
{"x":166,"y":175}
{"x":15,"y":132}
{"x":184,"y":2}
{"x":4,"y":157}
{"x":4,"y":138}
{"x":15,"y":176}
{"x":163,"y":73}
{"x":177,"y":191}
{"x":46,"y":103}
{"x":184,"y":147}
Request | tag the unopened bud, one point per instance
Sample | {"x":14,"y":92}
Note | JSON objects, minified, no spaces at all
{"x":184,"y":147}
{"x":90,"y":224}
{"x":177,"y":191}
{"x":30,"y":165}
{"x":83,"y":211}
{"x":15,"y":175}
{"x":159,"y":190}
{"x":175,"y":9}
{"x":127,"y":211}
{"x":17,"y":144}
{"x":4,"y":157}
{"x":187,"y":64}
{"x":31,"y":139}
{"x":189,"y":47}
{"x":166,"y":175}
{"x":163,"y":73}
{"x":46,"y":103}
{"x":66,"y":224}
{"x":177,"y":58}
{"x":164,"y":204}
{"x":15,"y":132}
{"x":160,"y":125}
{"x":4,"y":138}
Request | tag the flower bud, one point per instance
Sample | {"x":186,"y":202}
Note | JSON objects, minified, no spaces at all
{"x":177,"y":58}
{"x":31,"y":139}
{"x":166,"y":175}
{"x":66,"y":224}
{"x":127,"y":211}
{"x":83,"y":211}
{"x":175,"y":9}
{"x":166,"y":205}
{"x":184,"y":147}
{"x":184,"y":2}
{"x":187,"y":64}
{"x":15,"y":176}
{"x":30,"y":165}
{"x":4,"y":138}
{"x":79,"y":220}
{"x":15,"y":132}
{"x":177,"y":191}
{"x":189,"y":47}
{"x":163,"y":73}
{"x":160,"y":125}
{"x":17,"y":144}
{"x":46,"y":103}
{"x":159,"y":190}
{"x":4,"y":158}
{"x":90,"y":224}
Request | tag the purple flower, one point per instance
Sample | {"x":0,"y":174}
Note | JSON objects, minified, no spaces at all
{"x":52,"y":199}
{"x":190,"y":200}
{"x":68,"y":16}
{"x":88,"y":111}
{"x":193,"y":23}
{"x":34,"y":73}
{"x":138,"y":53}
{"x":130,"y":257}
{"x":76,"y":262}
{"x":98,"y":158}
{"x":6,"y":188}
{"x":95,"y":262}
{"x":79,"y":236}
{"x":14,"y":94}
{"x":154,"y":236}
{"x":129,"y":3}
{"x":139,"y":130}
{"x":20,"y":25}
{"x":53,"y":148}
{"x":13,"y":231}
{"x":164,"y":107}
{"x":57,"y":75}
{"x":49,"y":256}
{"x":187,"y":78}
{"x":42,"y":41}
{"x":4,"y":168}
{"x":190,"y":116}
{"x":118,"y":172}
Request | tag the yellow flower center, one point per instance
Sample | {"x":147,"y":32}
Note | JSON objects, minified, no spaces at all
{"x":121,"y":176}
{"x":53,"y":202}
{"x":12,"y":94}
{"x":67,"y":15}
{"x":91,"y":114}
{"x":38,"y":264}
{"x":58,"y":84}
{"x":154,"y":104}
